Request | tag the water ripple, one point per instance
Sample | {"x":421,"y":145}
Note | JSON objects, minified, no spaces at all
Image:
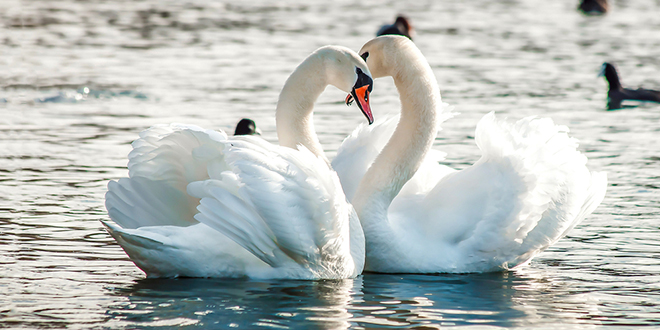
{"x":83,"y":78}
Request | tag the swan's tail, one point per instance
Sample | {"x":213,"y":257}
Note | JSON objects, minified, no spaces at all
{"x":143,"y":250}
{"x":193,"y":251}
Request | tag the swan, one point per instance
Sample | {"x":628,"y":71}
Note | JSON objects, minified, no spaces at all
{"x":199,"y":203}
{"x":529,"y":188}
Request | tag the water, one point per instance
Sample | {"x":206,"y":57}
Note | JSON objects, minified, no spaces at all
{"x":80,"y":79}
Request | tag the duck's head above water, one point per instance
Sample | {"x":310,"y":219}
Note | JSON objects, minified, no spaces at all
{"x":605,"y":68}
{"x":608,"y":71}
{"x":247,"y":127}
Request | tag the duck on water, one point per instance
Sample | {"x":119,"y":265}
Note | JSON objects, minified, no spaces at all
{"x":617,"y":93}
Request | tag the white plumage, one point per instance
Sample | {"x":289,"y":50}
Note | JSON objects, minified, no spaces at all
{"x":199,"y":203}
{"x":250,"y":209}
{"x":529,"y":188}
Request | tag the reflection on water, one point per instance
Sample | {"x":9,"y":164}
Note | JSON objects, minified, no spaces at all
{"x":372,"y":300}
{"x":238,"y":303}
{"x":212,"y":63}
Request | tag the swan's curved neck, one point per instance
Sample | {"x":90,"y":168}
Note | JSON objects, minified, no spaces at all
{"x":413,"y":137}
{"x":293,"y":116}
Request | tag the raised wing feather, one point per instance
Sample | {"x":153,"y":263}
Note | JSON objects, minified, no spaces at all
{"x":281,"y":204}
{"x":137,"y":202}
{"x":530,"y":187}
{"x":164,"y":160}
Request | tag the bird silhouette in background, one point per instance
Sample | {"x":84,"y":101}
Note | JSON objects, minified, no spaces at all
{"x":593,"y":7}
{"x":400,"y":27}
{"x":247,"y":127}
{"x":617,"y":93}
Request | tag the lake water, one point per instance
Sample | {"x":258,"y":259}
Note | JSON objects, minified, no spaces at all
{"x":80,"y":79}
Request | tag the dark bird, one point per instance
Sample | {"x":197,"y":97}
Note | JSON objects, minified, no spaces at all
{"x":400,"y":27}
{"x":594,"y":7}
{"x":247,"y":127}
{"x":617,"y":93}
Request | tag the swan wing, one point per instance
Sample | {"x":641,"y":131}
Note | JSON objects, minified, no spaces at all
{"x":153,"y":215}
{"x":529,"y":188}
{"x":283,"y":205}
{"x":177,"y":153}
{"x":164,"y":160}
{"x":266,"y":207}
{"x":556,"y":190}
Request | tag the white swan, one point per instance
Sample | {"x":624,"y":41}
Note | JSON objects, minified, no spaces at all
{"x":529,"y":188}
{"x":199,"y":203}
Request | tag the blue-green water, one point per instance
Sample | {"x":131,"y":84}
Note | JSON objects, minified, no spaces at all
{"x":210,"y":64}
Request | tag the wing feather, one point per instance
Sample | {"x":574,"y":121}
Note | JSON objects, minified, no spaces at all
{"x":283,"y":205}
{"x":530,"y":187}
{"x":164,"y":159}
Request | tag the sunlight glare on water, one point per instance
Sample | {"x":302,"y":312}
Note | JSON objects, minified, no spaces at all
{"x":81,"y":79}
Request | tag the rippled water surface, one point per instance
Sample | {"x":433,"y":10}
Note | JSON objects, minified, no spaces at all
{"x":80,"y":79}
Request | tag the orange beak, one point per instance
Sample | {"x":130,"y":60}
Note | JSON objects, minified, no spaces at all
{"x":362,"y":96}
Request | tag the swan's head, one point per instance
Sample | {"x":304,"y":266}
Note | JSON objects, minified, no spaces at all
{"x":348,"y":72}
{"x":360,"y":92}
{"x":385,"y":55}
